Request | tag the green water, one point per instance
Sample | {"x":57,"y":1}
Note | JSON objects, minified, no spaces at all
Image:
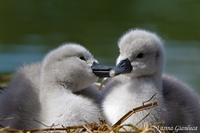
{"x":30,"y":28}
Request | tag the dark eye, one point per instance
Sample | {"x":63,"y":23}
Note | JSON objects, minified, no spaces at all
{"x":140,"y":55}
{"x":82,"y":58}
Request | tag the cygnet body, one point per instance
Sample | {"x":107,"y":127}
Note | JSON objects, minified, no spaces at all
{"x":46,"y":91}
{"x":20,"y":100}
{"x":142,"y":61}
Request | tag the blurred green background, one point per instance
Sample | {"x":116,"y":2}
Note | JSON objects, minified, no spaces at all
{"x":30,"y":28}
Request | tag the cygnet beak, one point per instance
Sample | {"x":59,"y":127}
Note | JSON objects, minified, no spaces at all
{"x":100,"y":70}
{"x":124,"y":66}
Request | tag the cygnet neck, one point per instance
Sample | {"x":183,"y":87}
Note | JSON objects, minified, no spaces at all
{"x":52,"y":90}
{"x":153,"y":80}
{"x":52,"y":85}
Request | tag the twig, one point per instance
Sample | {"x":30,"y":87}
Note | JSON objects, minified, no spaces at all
{"x":127,"y":115}
{"x":87,"y":129}
{"x":156,"y":128}
{"x":102,"y":83}
{"x":130,"y":125}
{"x":149,"y":111}
{"x":143,"y":118}
{"x":149,"y":99}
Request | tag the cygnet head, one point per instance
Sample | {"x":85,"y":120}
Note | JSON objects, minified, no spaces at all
{"x":69,"y":66}
{"x":141,"y":54}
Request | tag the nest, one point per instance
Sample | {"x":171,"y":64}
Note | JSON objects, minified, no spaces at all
{"x":102,"y":127}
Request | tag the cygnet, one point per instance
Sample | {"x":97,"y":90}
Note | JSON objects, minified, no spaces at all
{"x":46,"y":91}
{"x":141,"y":63}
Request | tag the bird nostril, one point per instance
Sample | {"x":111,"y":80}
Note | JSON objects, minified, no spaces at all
{"x":122,"y":65}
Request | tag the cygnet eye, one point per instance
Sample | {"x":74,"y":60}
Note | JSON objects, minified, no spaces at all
{"x":82,"y":58}
{"x":140,"y":55}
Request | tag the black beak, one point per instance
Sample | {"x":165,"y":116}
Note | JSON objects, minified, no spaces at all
{"x":124,"y":66}
{"x":100,"y":70}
